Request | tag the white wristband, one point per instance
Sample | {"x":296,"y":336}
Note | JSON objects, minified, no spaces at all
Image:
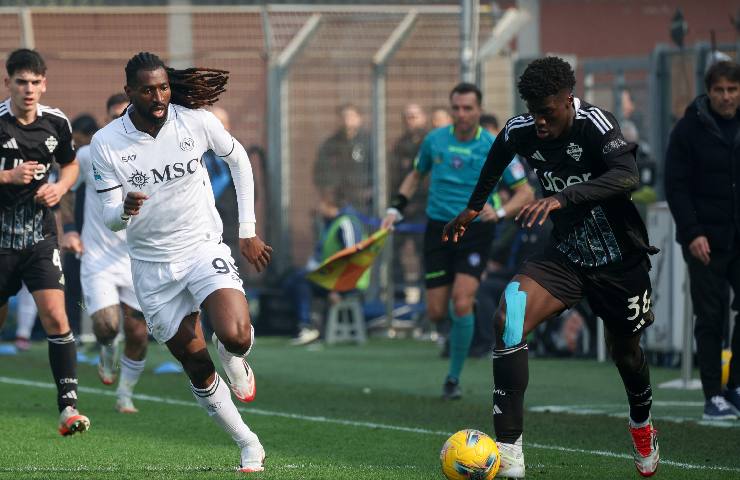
{"x":501,"y":213}
{"x":247,"y":229}
{"x":396,"y":212}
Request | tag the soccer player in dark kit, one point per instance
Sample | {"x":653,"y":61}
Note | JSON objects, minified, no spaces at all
{"x":599,"y":249}
{"x":32,"y":138}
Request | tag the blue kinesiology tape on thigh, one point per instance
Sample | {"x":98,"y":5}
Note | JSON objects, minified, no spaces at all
{"x":516,"y":304}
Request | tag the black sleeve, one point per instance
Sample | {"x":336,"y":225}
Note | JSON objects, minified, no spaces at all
{"x":621,"y":173}
{"x":499,"y":157}
{"x":678,"y":182}
{"x":65,"y":151}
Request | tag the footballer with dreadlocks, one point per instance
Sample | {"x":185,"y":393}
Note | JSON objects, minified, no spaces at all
{"x":598,"y":250}
{"x":147,"y":169}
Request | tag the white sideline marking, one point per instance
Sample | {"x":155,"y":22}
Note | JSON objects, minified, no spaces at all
{"x":352,"y":423}
{"x":609,"y":411}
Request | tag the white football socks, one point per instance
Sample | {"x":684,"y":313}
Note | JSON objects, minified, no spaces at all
{"x":108,"y":355}
{"x":216,"y":400}
{"x":227,"y":355}
{"x":130,"y":373}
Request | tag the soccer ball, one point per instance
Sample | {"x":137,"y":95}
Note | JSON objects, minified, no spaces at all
{"x":470,"y":454}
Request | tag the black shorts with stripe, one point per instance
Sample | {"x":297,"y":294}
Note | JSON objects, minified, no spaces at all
{"x":620,"y":294}
{"x":469,"y":255}
{"x":39,"y":267}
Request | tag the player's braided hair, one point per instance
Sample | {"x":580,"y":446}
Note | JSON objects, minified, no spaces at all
{"x":544,"y":77}
{"x":195,"y":87}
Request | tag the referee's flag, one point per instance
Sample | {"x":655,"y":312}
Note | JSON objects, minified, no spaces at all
{"x":342,"y":271}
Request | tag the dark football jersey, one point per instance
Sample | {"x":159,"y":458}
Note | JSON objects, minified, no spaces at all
{"x":23,"y":222}
{"x":592,"y":171}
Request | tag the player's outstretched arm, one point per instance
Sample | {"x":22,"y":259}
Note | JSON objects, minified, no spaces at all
{"x":455,"y":229}
{"x":499,"y":156}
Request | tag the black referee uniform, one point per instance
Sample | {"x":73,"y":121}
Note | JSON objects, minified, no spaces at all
{"x":29,"y":249}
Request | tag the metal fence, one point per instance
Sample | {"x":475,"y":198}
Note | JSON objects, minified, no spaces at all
{"x":291,"y":68}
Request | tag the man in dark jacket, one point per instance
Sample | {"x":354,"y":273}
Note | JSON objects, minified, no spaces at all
{"x":702,"y":183}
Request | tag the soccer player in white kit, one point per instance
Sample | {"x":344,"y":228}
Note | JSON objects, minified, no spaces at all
{"x":148,"y":174}
{"x":107,"y":285}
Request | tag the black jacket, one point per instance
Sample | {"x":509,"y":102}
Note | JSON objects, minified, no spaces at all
{"x":702,"y":179}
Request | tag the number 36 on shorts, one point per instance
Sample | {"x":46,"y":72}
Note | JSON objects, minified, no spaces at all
{"x":637,"y":306}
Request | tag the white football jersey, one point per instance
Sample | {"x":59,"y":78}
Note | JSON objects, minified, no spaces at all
{"x":102,"y":248}
{"x":180,"y":213}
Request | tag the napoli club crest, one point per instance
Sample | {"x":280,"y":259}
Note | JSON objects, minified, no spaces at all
{"x":574,"y":151}
{"x":187,"y":144}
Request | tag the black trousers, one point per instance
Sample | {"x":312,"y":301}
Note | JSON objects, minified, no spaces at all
{"x":710,"y":298}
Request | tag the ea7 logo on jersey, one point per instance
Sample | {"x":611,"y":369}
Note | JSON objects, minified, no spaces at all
{"x":128,"y":158}
{"x":574,"y":151}
{"x":552,"y":183}
{"x":51,"y":143}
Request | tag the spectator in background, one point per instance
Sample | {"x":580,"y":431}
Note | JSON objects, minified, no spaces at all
{"x":416,"y":126}
{"x":440,"y":118}
{"x":343,"y":167}
{"x":702,"y":183}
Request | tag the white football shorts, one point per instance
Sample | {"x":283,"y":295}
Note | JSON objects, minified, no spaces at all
{"x":109,"y":286}
{"x":169,"y":291}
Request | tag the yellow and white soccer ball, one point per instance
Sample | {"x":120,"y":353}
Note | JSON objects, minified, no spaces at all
{"x":726,"y":357}
{"x":470,"y":455}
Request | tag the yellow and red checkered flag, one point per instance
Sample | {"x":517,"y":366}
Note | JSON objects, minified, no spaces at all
{"x":342,"y":271}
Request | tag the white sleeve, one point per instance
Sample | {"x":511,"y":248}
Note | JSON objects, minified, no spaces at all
{"x":109,"y":189}
{"x":233,"y":153}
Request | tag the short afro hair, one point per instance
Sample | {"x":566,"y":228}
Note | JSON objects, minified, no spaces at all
{"x":544,"y":77}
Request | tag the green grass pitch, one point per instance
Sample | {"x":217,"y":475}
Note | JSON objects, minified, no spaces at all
{"x":349,"y":412}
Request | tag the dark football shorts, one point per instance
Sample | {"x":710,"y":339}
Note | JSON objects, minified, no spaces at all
{"x":620,"y":294}
{"x":39,"y":267}
{"x":469,"y":255}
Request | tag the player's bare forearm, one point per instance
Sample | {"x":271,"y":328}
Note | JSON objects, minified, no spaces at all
{"x":68,"y":174}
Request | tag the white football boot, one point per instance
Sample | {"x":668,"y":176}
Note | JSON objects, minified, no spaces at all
{"x":512,"y":459}
{"x":645,"y":448}
{"x":252,"y":457}
{"x":126,"y":405}
{"x":71,"y":421}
